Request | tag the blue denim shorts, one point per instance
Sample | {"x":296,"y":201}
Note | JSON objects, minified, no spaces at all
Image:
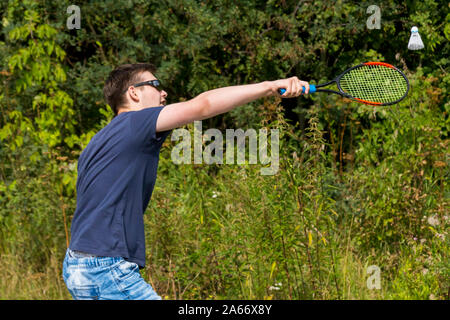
{"x":104,"y":278}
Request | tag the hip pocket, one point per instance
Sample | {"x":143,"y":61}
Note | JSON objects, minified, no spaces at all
{"x":125,"y":270}
{"x":127,"y":278}
{"x":85,"y":292}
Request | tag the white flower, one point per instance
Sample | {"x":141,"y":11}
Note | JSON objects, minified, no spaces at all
{"x":273,"y":288}
{"x":440,"y":236}
{"x":433,"y":221}
{"x":214,"y":194}
{"x":277,"y":286}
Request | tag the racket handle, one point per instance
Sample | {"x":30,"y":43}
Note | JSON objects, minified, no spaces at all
{"x":312,"y":89}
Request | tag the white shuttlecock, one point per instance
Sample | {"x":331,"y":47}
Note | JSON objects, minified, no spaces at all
{"x":415,"y":42}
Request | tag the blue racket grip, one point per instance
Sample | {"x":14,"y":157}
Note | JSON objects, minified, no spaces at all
{"x":312,"y":89}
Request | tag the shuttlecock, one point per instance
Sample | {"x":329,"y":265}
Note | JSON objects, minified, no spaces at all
{"x":415,"y":42}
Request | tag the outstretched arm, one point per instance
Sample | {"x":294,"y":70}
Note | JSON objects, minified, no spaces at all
{"x":221,"y":100}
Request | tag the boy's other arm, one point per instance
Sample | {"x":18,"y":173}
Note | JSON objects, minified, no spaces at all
{"x":221,"y":100}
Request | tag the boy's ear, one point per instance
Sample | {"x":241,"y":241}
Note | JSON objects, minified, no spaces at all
{"x":133,"y":94}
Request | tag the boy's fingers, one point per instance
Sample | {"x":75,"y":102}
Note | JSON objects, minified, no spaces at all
{"x":294,"y":87}
{"x":298,"y":89}
{"x":299,"y":85}
{"x":305,"y":85}
{"x":289,"y":89}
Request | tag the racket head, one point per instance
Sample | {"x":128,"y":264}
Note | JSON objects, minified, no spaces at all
{"x":374,"y":83}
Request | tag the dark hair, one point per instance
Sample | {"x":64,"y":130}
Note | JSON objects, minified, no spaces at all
{"x":120,"y":79}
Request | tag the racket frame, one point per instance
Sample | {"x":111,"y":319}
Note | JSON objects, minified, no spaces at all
{"x":346,"y":95}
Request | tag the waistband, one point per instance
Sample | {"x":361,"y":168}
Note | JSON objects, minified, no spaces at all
{"x":81,"y":254}
{"x":79,"y":258}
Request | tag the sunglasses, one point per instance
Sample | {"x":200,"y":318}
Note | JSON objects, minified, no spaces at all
{"x":153,"y":83}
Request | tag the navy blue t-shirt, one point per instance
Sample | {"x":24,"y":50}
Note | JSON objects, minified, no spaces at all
{"x":116,"y":176}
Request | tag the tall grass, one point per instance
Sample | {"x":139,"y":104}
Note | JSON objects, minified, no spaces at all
{"x":21,"y":281}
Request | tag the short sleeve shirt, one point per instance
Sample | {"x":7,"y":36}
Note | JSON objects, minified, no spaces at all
{"x":116,"y":177}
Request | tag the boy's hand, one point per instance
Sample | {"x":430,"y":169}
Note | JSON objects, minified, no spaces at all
{"x":294,"y":87}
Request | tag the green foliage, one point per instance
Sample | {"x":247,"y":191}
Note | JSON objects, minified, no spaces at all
{"x":357,"y":185}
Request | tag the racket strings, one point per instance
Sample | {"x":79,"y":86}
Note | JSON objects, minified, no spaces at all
{"x":374,"y":83}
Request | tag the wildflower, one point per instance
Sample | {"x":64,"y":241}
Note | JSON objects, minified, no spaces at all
{"x":440,"y":236}
{"x":433,"y":221}
{"x":273,"y":288}
{"x":277,"y":286}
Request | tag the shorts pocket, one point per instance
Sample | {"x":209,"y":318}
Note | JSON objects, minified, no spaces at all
{"x":125,"y":270}
{"x":85,"y":292}
{"x":127,"y":278}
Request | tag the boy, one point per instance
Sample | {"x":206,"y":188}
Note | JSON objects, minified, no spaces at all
{"x":117,"y":173}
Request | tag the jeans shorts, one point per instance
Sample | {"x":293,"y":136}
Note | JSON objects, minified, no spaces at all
{"x":104,"y":278}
